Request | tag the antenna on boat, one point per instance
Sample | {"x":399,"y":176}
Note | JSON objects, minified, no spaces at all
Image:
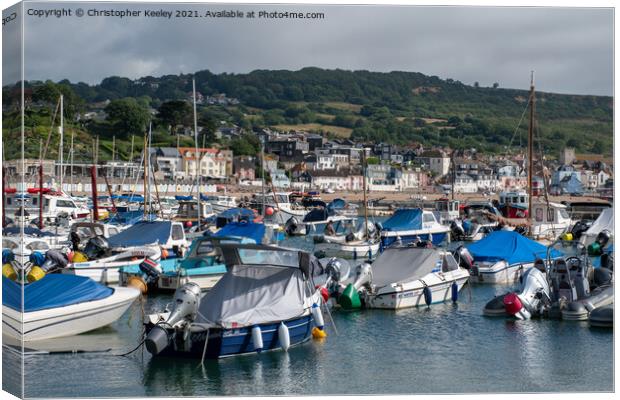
{"x":61,"y":130}
{"x":364,"y":187}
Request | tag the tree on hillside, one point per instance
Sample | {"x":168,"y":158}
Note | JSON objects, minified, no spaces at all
{"x":246,"y":145}
{"x":50,"y":92}
{"x":127,"y":116}
{"x":174,"y":113}
{"x":209,"y":125}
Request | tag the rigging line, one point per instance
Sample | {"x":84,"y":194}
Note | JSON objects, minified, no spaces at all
{"x":519,"y":124}
{"x":49,"y":136}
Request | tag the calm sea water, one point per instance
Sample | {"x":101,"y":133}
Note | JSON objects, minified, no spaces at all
{"x":447,"y":348}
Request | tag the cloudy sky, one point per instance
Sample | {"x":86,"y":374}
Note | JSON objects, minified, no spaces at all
{"x":571,"y":50}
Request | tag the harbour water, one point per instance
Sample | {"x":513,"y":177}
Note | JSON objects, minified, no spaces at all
{"x":447,"y":348}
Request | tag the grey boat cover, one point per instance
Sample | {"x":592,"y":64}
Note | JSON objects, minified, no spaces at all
{"x":249,"y":295}
{"x":404,"y":264}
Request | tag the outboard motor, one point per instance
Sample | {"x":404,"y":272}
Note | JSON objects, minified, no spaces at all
{"x":54,"y":259}
{"x":96,"y":247}
{"x":578,"y":229}
{"x":464,"y":257}
{"x":185,"y":308}
{"x":292,"y":226}
{"x":151,"y":269}
{"x":596,"y":248}
{"x":364,"y":275}
{"x":457,"y":230}
{"x":75,"y":240}
{"x":534,"y":294}
{"x":62,"y":219}
{"x":333,"y":269}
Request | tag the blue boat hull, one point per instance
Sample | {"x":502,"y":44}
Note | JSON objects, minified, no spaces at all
{"x":231,"y":342}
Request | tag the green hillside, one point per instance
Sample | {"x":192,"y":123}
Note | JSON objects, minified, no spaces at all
{"x":395,"y":107}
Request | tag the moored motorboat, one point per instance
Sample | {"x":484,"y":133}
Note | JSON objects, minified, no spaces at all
{"x":503,"y":256}
{"x":265,"y":301}
{"x":60,"y":305}
{"x":567,"y":287}
{"x":410,"y":224}
{"x":405,"y":276}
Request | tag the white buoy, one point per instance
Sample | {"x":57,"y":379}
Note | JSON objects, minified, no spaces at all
{"x":318,"y":316}
{"x":285,"y":339}
{"x":257,"y":338}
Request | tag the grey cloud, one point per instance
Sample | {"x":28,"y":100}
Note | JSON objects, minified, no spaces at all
{"x":570,"y":49}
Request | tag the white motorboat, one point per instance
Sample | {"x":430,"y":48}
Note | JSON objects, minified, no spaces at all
{"x":409,"y":224}
{"x":549,"y":220}
{"x":220,"y":203}
{"x":349,"y":241}
{"x":406,"y":276}
{"x":61,"y":305}
{"x":503,"y":256}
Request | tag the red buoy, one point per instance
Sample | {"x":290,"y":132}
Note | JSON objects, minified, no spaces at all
{"x":512,"y":303}
{"x":269,"y":211}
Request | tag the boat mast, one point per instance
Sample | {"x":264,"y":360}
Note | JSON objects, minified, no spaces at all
{"x":530,"y":145}
{"x":262,"y":168}
{"x":93,"y":181}
{"x":71,"y":169}
{"x":364,"y":187}
{"x":61,"y":130}
{"x":146,"y":173}
{"x":197,"y":157}
{"x":41,"y":184}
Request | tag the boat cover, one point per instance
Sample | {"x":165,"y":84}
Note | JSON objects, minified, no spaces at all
{"x":250,"y":230}
{"x":509,"y":246}
{"x":53,"y":291}
{"x":403,"y":264}
{"x":251,"y":295}
{"x":129,"y":198}
{"x":318,"y":214}
{"x":605,"y":221}
{"x":236,"y":212}
{"x":142,"y":233}
{"x":404,"y":219}
{"x":184,"y":198}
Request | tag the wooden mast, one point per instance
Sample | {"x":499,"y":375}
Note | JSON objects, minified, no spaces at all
{"x":530,"y":146}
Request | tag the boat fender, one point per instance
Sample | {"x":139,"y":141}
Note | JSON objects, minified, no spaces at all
{"x":36,"y":273}
{"x":8,"y":271}
{"x":283,"y":335}
{"x":350,"y":298}
{"x":324,"y":294}
{"x":512,"y":304}
{"x":79,"y":257}
{"x":7,"y":256}
{"x":257,"y":339}
{"x":318,"y":316}
{"x":567,"y":236}
{"x":428,"y":296}
{"x":138,"y":283}
{"x":455,"y":292}
{"x":36,"y":258}
{"x":318,"y":333}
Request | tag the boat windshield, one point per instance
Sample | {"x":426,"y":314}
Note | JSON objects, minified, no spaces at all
{"x":269,"y":257}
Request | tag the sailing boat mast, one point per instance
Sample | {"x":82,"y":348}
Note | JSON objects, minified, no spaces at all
{"x":196,"y":155}
{"x":364,"y":187}
{"x":71,"y":169}
{"x":530,"y":145}
{"x":146,"y":173}
{"x":61,"y":129}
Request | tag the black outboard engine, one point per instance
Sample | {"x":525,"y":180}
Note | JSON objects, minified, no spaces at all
{"x":96,"y":247}
{"x":151,"y":269}
{"x":185,"y":308}
{"x":521,"y":230}
{"x":75,"y":240}
{"x":464,"y":257}
{"x":291,"y":226}
{"x":62,"y":219}
{"x":457,"y":230}
{"x":578,"y":229}
{"x":54,"y":260}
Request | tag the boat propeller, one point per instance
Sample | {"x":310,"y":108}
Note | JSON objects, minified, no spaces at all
{"x":185,"y":308}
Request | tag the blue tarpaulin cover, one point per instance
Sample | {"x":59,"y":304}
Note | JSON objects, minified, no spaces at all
{"x":243,"y":229}
{"x":337,"y":204}
{"x":142,"y":233}
{"x":129,"y":198}
{"x":54,"y":290}
{"x":404,"y":219}
{"x":186,"y":198}
{"x":509,"y":246}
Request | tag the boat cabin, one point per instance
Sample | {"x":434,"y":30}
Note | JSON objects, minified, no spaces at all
{"x":514,"y":204}
{"x":448,"y":209}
